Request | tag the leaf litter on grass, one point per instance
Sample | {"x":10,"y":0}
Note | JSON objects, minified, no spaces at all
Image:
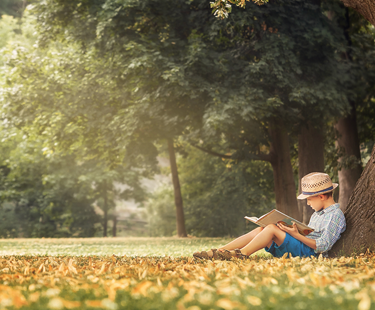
{"x":114,"y":282}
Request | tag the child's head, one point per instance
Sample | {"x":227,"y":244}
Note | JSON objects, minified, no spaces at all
{"x":317,"y":188}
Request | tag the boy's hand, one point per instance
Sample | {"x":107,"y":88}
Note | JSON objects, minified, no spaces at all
{"x":293,"y":231}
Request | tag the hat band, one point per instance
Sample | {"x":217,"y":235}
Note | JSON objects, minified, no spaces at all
{"x":313,"y":193}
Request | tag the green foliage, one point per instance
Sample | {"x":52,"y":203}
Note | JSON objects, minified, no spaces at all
{"x":179,"y":68}
{"x":52,"y":195}
{"x":161,"y":213}
{"x":7,"y":26}
{"x":69,"y":99}
{"x":16,"y":31}
{"x":51,"y":187}
{"x":43,"y":196}
{"x":217,"y":194}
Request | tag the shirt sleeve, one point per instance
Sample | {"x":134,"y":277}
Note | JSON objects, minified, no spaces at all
{"x":335,"y":226}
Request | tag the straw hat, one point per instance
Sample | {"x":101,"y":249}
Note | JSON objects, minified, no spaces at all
{"x":316,"y":183}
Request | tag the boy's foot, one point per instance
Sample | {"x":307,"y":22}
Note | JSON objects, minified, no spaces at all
{"x":228,"y":255}
{"x":213,"y":253}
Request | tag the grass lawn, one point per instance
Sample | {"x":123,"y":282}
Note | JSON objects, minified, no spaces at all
{"x":108,"y":246}
{"x":159,"y":273}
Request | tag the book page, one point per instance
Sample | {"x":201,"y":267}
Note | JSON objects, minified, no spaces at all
{"x":276,"y":216}
{"x":253,"y":218}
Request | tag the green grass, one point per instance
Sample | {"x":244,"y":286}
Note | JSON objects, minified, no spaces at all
{"x":175,"y":247}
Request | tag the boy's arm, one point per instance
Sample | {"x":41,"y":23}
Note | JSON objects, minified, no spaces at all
{"x":333,"y":229}
{"x":295,"y":234}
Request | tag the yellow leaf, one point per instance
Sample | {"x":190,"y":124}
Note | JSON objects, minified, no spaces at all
{"x":253,"y":300}
{"x":102,"y":270}
{"x":227,"y":304}
{"x":144,"y":274}
{"x":365,"y":300}
{"x":94,"y":303}
{"x":34,"y":297}
{"x":41,"y":268}
{"x":62,"y":267}
{"x":141,"y":288}
{"x":269,"y":280}
{"x":228,"y":290}
{"x":71,"y":304}
{"x":55,"y":303}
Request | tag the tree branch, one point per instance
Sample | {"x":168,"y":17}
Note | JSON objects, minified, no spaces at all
{"x":212,"y":152}
{"x":259,"y":156}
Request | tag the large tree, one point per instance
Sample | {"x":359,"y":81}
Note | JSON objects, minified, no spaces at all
{"x":360,"y":215}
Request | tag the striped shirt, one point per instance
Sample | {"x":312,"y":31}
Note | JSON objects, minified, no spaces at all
{"x":328,"y":225}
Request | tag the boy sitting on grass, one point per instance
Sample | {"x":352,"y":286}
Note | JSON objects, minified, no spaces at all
{"x":328,"y":222}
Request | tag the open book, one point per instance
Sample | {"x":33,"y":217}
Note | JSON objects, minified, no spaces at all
{"x":275,"y":216}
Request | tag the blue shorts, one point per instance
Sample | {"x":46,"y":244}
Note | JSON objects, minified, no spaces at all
{"x":290,"y":245}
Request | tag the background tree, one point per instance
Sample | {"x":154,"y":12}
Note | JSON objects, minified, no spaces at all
{"x":111,"y":185}
{"x":43,"y":195}
{"x":150,"y":119}
{"x":87,"y":170}
{"x":217,"y":193}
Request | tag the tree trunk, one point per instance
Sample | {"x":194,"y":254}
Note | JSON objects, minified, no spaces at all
{"x":114,"y":227}
{"x":365,"y":7}
{"x":105,"y":210}
{"x":181,"y":231}
{"x":310,"y":159}
{"x":360,"y":215}
{"x":348,"y":142}
{"x":285,"y":190}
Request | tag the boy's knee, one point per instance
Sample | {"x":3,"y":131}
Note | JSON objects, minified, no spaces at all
{"x":272,"y":227}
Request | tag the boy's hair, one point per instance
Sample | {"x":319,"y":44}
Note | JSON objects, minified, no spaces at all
{"x":328,"y":195}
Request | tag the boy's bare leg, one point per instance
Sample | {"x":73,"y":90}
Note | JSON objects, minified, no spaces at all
{"x":240,"y":242}
{"x":264,"y":239}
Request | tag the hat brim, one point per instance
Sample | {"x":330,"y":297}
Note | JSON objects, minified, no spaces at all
{"x":303,"y":196}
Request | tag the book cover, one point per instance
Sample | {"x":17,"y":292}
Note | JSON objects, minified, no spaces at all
{"x":275,"y":217}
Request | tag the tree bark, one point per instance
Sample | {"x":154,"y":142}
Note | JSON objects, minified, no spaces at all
{"x":105,"y":210}
{"x":285,"y":190}
{"x":365,"y":7}
{"x":310,"y":159}
{"x":348,"y":142}
{"x":181,"y":231}
{"x":360,"y":215}
{"x":114,"y":227}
